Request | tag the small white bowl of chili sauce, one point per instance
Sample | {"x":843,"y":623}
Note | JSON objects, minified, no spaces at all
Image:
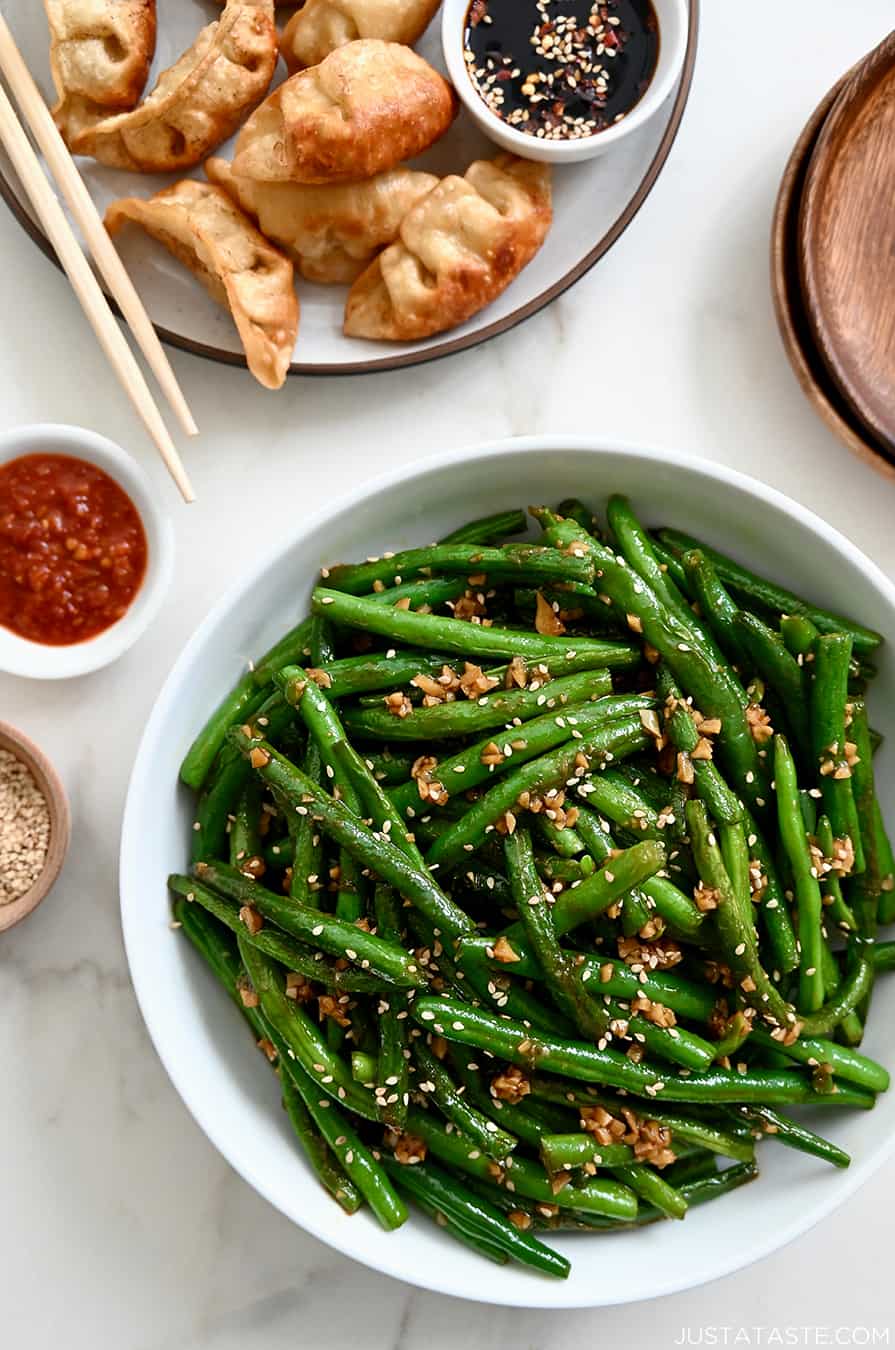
{"x":86,"y":555}
{"x":563,"y":80}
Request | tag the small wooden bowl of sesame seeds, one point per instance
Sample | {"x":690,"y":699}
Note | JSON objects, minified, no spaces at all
{"x":35,"y":826}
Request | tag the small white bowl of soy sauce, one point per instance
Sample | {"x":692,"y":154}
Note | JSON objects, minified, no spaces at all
{"x":563,"y":80}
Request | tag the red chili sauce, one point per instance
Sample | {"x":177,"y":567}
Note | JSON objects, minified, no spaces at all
{"x":72,"y":549}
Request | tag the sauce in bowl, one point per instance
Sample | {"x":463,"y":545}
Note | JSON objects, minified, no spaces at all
{"x":561,"y":69}
{"x":73,"y":549}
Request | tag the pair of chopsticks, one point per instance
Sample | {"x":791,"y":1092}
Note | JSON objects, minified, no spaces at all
{"x":77,"y":268}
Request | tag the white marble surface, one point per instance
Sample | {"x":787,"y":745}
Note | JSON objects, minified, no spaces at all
{"x":121,"y":1225}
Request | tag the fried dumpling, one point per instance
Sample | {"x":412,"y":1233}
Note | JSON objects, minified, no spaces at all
{"x":100,"y":54}
{"x":457,"y":250}
{"x":239,"y":268}
{"x":367,"y":107}
{"x":198,"y":102}
{"x":332,"y":230}
{"x":321,"y":26}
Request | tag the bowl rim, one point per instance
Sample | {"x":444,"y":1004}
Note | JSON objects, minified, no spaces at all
{"x":39,"y":661}
{"x":53,"y":789}
{"x":672,"y":56}
{"x":378,"y":1255}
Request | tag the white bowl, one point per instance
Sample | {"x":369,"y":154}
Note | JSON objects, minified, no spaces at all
{"x":673,"y":25}
{"x":212,"y":1062}
{"x":37,"y":661}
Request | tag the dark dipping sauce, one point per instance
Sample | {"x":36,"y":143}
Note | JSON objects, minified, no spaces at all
{"x":72,"y":549}
{"x":561,"y":69}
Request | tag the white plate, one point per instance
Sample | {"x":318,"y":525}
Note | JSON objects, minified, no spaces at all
{"x":593,"y":204}
{"x":224,"y":1081}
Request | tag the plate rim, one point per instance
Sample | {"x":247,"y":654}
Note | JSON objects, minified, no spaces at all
{"x":451,"y":345}
{"x":379,"y":1257}
{"x":834,"y":143}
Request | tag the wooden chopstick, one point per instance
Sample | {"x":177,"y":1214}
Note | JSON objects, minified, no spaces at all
{"x":73,"y":188}
{"x":87,"y":288}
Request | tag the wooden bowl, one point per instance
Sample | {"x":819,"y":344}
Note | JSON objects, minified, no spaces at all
{"x":792,"y":321}
{"x":50,"y":784}
{"x":847,"y":242}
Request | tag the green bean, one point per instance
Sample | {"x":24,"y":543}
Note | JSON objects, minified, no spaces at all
{"x":566,"y":842}
{"x":671,"y":563}
{"x":614,"y":739}
{"x":807,"y":887}
{"x":512,"y":562}
{"x":245,"y":831}
{"x":562,"y":1152}
{"x":372,"y":850}
{"x":431,"y":631}
{"x":364,"y":1068}
{"x":597,"y":1196}
{"x":849,"y":995}
{"x":352,"y":1154}
{"x":387,"y":767}
{"x":650,"y":1186}
{"x":431,"y":592}
{"x":435,"y":1081}
{"x":222,"y":957}
{"x":298,"y":1040}
{"x":682,"y":996}
{"x":573,"y":507}
{"x":238,"y":706}
{"x":770,"y":596}
{"x":576,"y":1059}
{"x":722,"y":804}
{"x":392,"y":1019}
{"x":792,"y":1133}
{"x":768,"y":657}
{"x":714,"y":689}
{"x":488,"y":528}
{"x":326,"y":931}
{"x":846,"y":1063}
{"x":518,"y":745}
{"x":360,"y":790}
{"x":829,"y":694}
{"x":228,"y":776}
{"x":715,"y":604}
{"x":529,"y":1123}
{"x":467,"y":1210}
{"x":884,"y":956}
{"x":292,"y":647}
{"x":357,"y":674}
{"x":294,"y":956}
{"x":669,"y":902}
{"x":323,"y":1162}
{"x":560,"y":969}
{"x":700,"y":1133}
{"x":736,"y":929}
{"x":305,"y":883}
{"x":834,"y":902}
{"x":637,"y":549}
{"x":575,"y":906}
{"x":869,"y":887}
{"x":447,"y":720}
{"x":220,"y":954}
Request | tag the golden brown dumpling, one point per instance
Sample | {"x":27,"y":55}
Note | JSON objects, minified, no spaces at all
{"x":331,"y":230}
{"x":198,"y":102}
{"x":200,"y":225}
{"x":458,"y":249}
{"x":100,"y":54}
{"x":320,"y":26}
{"x":367,"y":107}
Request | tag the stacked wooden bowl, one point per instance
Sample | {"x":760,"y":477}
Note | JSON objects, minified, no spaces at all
{"x":833,"y":258}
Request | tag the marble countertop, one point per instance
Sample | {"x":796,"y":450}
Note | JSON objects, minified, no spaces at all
{"x":122,"y":1227}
